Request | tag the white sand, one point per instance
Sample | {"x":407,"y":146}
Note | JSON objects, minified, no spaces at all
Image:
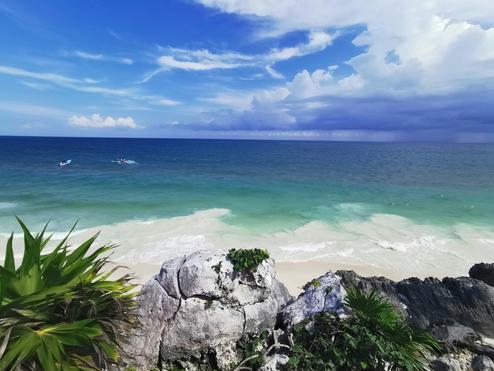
{"x":386,"y":245}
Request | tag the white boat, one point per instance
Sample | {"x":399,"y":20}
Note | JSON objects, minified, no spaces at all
{"x":123,"y":161}
{"x":64,"y":163}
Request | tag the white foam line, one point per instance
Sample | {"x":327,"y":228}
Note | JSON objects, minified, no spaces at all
{"x":388,"y":242}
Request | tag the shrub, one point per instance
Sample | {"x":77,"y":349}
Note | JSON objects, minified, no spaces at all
{"x":373,"y":337}
{"x":247,"y":259}
{"x":314,"y":282}
{"x":253,"y":349}
{"x":58,"y":310}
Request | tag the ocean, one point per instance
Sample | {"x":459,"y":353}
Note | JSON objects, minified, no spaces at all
{"x":351,"y":202}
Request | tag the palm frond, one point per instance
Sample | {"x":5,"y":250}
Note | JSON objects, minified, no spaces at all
{"x":60,"y":310}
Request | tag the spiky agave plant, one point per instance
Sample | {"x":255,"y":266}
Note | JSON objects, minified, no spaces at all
{"x":391,"y":342}
{"x":60,"y":310}
{"x":373,"y":337}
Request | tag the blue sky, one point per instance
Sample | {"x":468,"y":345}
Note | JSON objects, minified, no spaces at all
{"x":385,"y":70}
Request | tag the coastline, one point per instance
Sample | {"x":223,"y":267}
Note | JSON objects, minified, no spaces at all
{"x":383,"y":245}
{"x":294,"y":275}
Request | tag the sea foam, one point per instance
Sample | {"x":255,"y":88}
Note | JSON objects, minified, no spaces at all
{"x":8,"y":205}
{"x":391,"y":244}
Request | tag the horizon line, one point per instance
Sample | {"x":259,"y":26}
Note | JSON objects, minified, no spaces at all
{"x":247,"y":139}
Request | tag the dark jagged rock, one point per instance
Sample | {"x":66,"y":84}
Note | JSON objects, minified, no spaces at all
{"x":454,"y":334}
{"x":483,"y":272}
{"x":428,"y":302}
{"x":482,"y":363}
{"x":445,"y":363}
{"x":459,"y":311}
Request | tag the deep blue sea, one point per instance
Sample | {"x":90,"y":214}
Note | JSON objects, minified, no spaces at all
{"x":266,"y":185}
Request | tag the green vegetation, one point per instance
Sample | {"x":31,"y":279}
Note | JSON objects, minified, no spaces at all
{"x":314,"y":282}
{"x":253,"y":349}
{"x":59,"y":310}
{"x":247,"y":259}
{"x":373,"y":337}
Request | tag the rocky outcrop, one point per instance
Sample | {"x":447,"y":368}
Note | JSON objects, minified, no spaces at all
{"x":323,"y":294}
{"x":458,"y":311}
{"x":483,"y":272}
{"x":197,"y":311}
{"x":463,"y":300}
{"x":197,"y":308}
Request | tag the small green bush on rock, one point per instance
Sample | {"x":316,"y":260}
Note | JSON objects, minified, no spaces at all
{"x":247,"y":259}
{"x":373,"y":337}
{"x":314,"y":282}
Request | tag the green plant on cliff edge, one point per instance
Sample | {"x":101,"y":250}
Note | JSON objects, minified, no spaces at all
{"x":373,"y":337}
{"x":59,"y":310}
{"x":247,"y":259}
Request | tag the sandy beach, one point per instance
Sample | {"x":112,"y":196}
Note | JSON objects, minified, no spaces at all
{"x":384,"y":245}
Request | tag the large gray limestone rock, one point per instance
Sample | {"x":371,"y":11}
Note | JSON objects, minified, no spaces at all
{"x":199,"y":305}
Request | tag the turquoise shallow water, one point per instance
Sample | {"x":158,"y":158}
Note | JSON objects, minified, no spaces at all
{"x":266,"y":185}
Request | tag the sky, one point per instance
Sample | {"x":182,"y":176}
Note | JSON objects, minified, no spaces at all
{"x":352,"y":70}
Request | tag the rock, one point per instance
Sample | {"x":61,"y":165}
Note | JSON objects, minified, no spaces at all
{"x":168,"y":276}
{"x":197,"y":308}
{"x":482,"y":363}
{"x":142,"y":346}
{"x":482,"y":349}
{"x":445,"y":363}
{"x":272,"y":362}
{"x":324,"y":294}
{"x":463,"y":300}
{"x":454,"y":334}
{"x":483,"y":272}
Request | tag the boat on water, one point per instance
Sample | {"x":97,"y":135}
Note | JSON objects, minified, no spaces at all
{"x":64,"y":163}
{"x":124,"y":161}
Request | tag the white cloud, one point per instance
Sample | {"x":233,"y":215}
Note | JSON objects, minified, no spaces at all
{"x":84,"y":55}
{"x":201,"y":60}
{"x":36,"y":86}
{"x":425,"y":70}
{"x":84,"y":85}
{"x":439,"y":46}
{"x":205,"y":60}
{"x":51,"y":77}
{"x":32,"y":109}
{"x":67,"y":82}
{"x":98,"y":121}
{"x":98,"y":57}
{"x":289,"y":15}
{"x":243,"y":100}
{"x":165,"y":102}
{"x":274,"y":73}
{"x":204,"y":65}
{"x":318,"y":41}
{"x":126,"y":60}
